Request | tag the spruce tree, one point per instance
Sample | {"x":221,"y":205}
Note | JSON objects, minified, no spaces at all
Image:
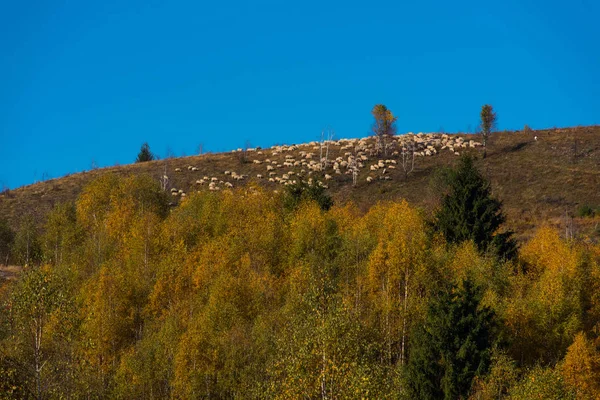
{"x":469,"y":212}
{"x":452,"y":347}
{"x":145,"y":154}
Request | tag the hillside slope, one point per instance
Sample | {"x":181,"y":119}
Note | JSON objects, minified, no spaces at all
{"x":539,"y":181}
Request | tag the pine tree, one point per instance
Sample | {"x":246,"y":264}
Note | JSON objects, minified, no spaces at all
{"x":452,"y":347}
{"x":145,"y":154}
{"x":469,"y":212}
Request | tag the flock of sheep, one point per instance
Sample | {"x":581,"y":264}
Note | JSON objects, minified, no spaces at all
{"x":286,"y":164}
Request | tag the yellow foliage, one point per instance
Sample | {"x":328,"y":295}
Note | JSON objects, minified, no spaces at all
{"x":546,"y":251}
{"x":581,"y":368}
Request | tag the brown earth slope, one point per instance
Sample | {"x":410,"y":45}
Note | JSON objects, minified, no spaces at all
{"x":539,"y":181}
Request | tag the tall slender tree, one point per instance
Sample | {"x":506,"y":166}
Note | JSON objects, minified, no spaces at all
{"x":488,"y":124}
{"x":384,"y":126}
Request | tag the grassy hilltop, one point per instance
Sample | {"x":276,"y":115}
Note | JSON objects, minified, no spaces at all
{"x":537,"y":180}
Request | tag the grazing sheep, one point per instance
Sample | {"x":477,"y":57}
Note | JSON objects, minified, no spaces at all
{"x":227,"y":172}
{"x":177,"y":169}
{"x":229,"y":184}
{"x":369,"y":179}
{"x":327,"y":177}
{"x":259,"y":176}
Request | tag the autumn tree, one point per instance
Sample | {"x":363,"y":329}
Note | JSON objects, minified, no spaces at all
{"x":547,"y":304}
{"x":581,"y":368}
{"x":488,"y":124}
{"x":469,"y":212}
{"x":27,"y":248}
{"x":383,"y":127}
{"x":36,"y":305}
{"x":396,"y":272}
{"x":145,"y":154}
{"x":61,"y":233}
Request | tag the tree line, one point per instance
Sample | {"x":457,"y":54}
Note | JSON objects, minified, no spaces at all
{"x":251,"y":294}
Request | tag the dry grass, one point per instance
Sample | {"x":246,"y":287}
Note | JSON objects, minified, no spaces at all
{"x":538,"y":181}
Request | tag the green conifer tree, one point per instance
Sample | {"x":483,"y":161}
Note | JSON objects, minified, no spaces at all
{"x":145,"y":154}
{"x":469,"y":212}
{"x":452,"y":347}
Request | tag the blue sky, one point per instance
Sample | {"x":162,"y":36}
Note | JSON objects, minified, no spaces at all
{"x":90,"y":81}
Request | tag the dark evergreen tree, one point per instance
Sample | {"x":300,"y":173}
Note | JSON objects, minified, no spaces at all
{"x":452,"y":347}
{"x":7,"y":237}
{"x":303,"y":191}
{"x":469,"y":212}
{"x":145,"y":154}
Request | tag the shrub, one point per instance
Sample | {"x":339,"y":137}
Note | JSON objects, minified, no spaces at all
{"x":585,"y":211}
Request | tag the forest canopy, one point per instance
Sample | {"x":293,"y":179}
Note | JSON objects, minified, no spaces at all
{"x":234,"y":295}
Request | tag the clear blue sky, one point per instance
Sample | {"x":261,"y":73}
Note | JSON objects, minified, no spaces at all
{"x":84,"y":81}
